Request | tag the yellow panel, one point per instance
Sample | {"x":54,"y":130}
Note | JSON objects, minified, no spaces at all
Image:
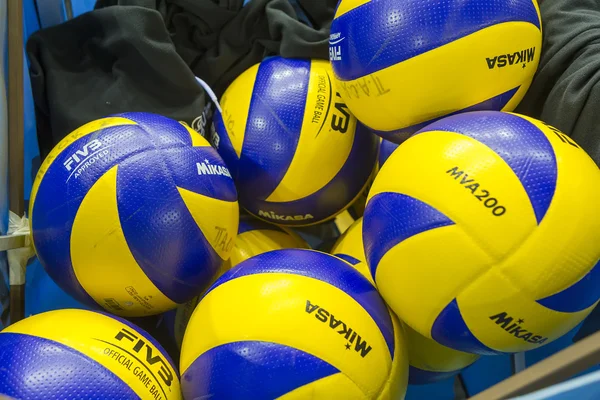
{"x":346,"y":5}
{"x":564,"y":247}
{"x":104,"y":340}
{"x":492,"y":295}
{"x":273,"y":307}
{"x":85,"y":130}
{"x":217,"y":219}
{"x":422,"y":168}
{"x":429,"y":355}
{"x":253,"y":243}
{"x":417,"y":283}
{"x":235,"y":104}
{"x":197,"y":139}
{"x":457,"y":72}
{"x":321,"y":148}
{"x":337,"y":386}
{"x":102,"y":261}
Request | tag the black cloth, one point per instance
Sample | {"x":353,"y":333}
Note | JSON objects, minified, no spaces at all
{"x":220,"y":39}
{"x":566,"y":89}
{"x":104,"y":62}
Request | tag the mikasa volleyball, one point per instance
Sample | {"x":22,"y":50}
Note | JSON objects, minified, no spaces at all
{"x":296,"y":153}
{"x":401,"y":65}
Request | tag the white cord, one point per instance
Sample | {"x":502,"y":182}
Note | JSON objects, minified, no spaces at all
{"x":210,"y":92}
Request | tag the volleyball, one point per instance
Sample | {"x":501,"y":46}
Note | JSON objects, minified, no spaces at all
{"x":68,"y":354}
{"x":296,"y":153}
{"x":400,"y":65}
{"x":254,"y":237}
{"x":134,"y":213}
{"x":429,"y":361}
{"x":291,"y":323}
{"x":481,"y":232}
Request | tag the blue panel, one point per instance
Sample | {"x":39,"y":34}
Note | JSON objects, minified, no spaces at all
{"x":248,"y":223}
{"x":325,"y":268}
{"x":525,"y":149}
{"x":81,"y":6}
{"x":251,"y":370}
{"x":51,"y":12}
{"x":4,"y":291}
{"x":495,"y":103}
{"x":391,"y":218}
{"x":486,"y":372}
{"x":340,"y":191}
{"x":31,"y":150}
{"x":145,"y":335}
{"x":386,"y":148}
{"x":443,"y":390}
{"x":417,"y":376}
{"x":161,"y":233}
{"x":382,"y":33}
{"x":451,"y":330}
{"x":224,"y":147}
{"x":579,"y":296}
{"x":33,"y":367}
{"x":43,"y":294}
{"x":347,"y":258}
{"x":30,"y":18}
{"x":273,"y":126}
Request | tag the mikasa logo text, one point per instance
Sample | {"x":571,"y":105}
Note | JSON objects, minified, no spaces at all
{"x":272,"y":215}
{"x":337,"y":325}
{"x":206,"y":168}
{"x":504,"y":60}
{"x":513,"y":326}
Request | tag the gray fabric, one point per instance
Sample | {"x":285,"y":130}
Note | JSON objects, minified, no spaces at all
{"x":566,"y":89}
{"x":220,"y":39}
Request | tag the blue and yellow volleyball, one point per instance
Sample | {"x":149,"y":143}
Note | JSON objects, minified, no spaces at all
{"x":400,"y":65}
{"x":134,"y":213}
{"x":429,"y":361}
{"x":481,"y":232}
{"x":297,"y":155}
{"x":254,"y":237}
{"x":292,"y":324}
{"x":69,"y":354}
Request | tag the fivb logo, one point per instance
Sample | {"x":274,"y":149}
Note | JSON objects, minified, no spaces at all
{"x":81,"y":154}
{"x":335,"y":51}
{"x":518,"y":57}
{"x":165,"y":372}
{"x":206,"y":168}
